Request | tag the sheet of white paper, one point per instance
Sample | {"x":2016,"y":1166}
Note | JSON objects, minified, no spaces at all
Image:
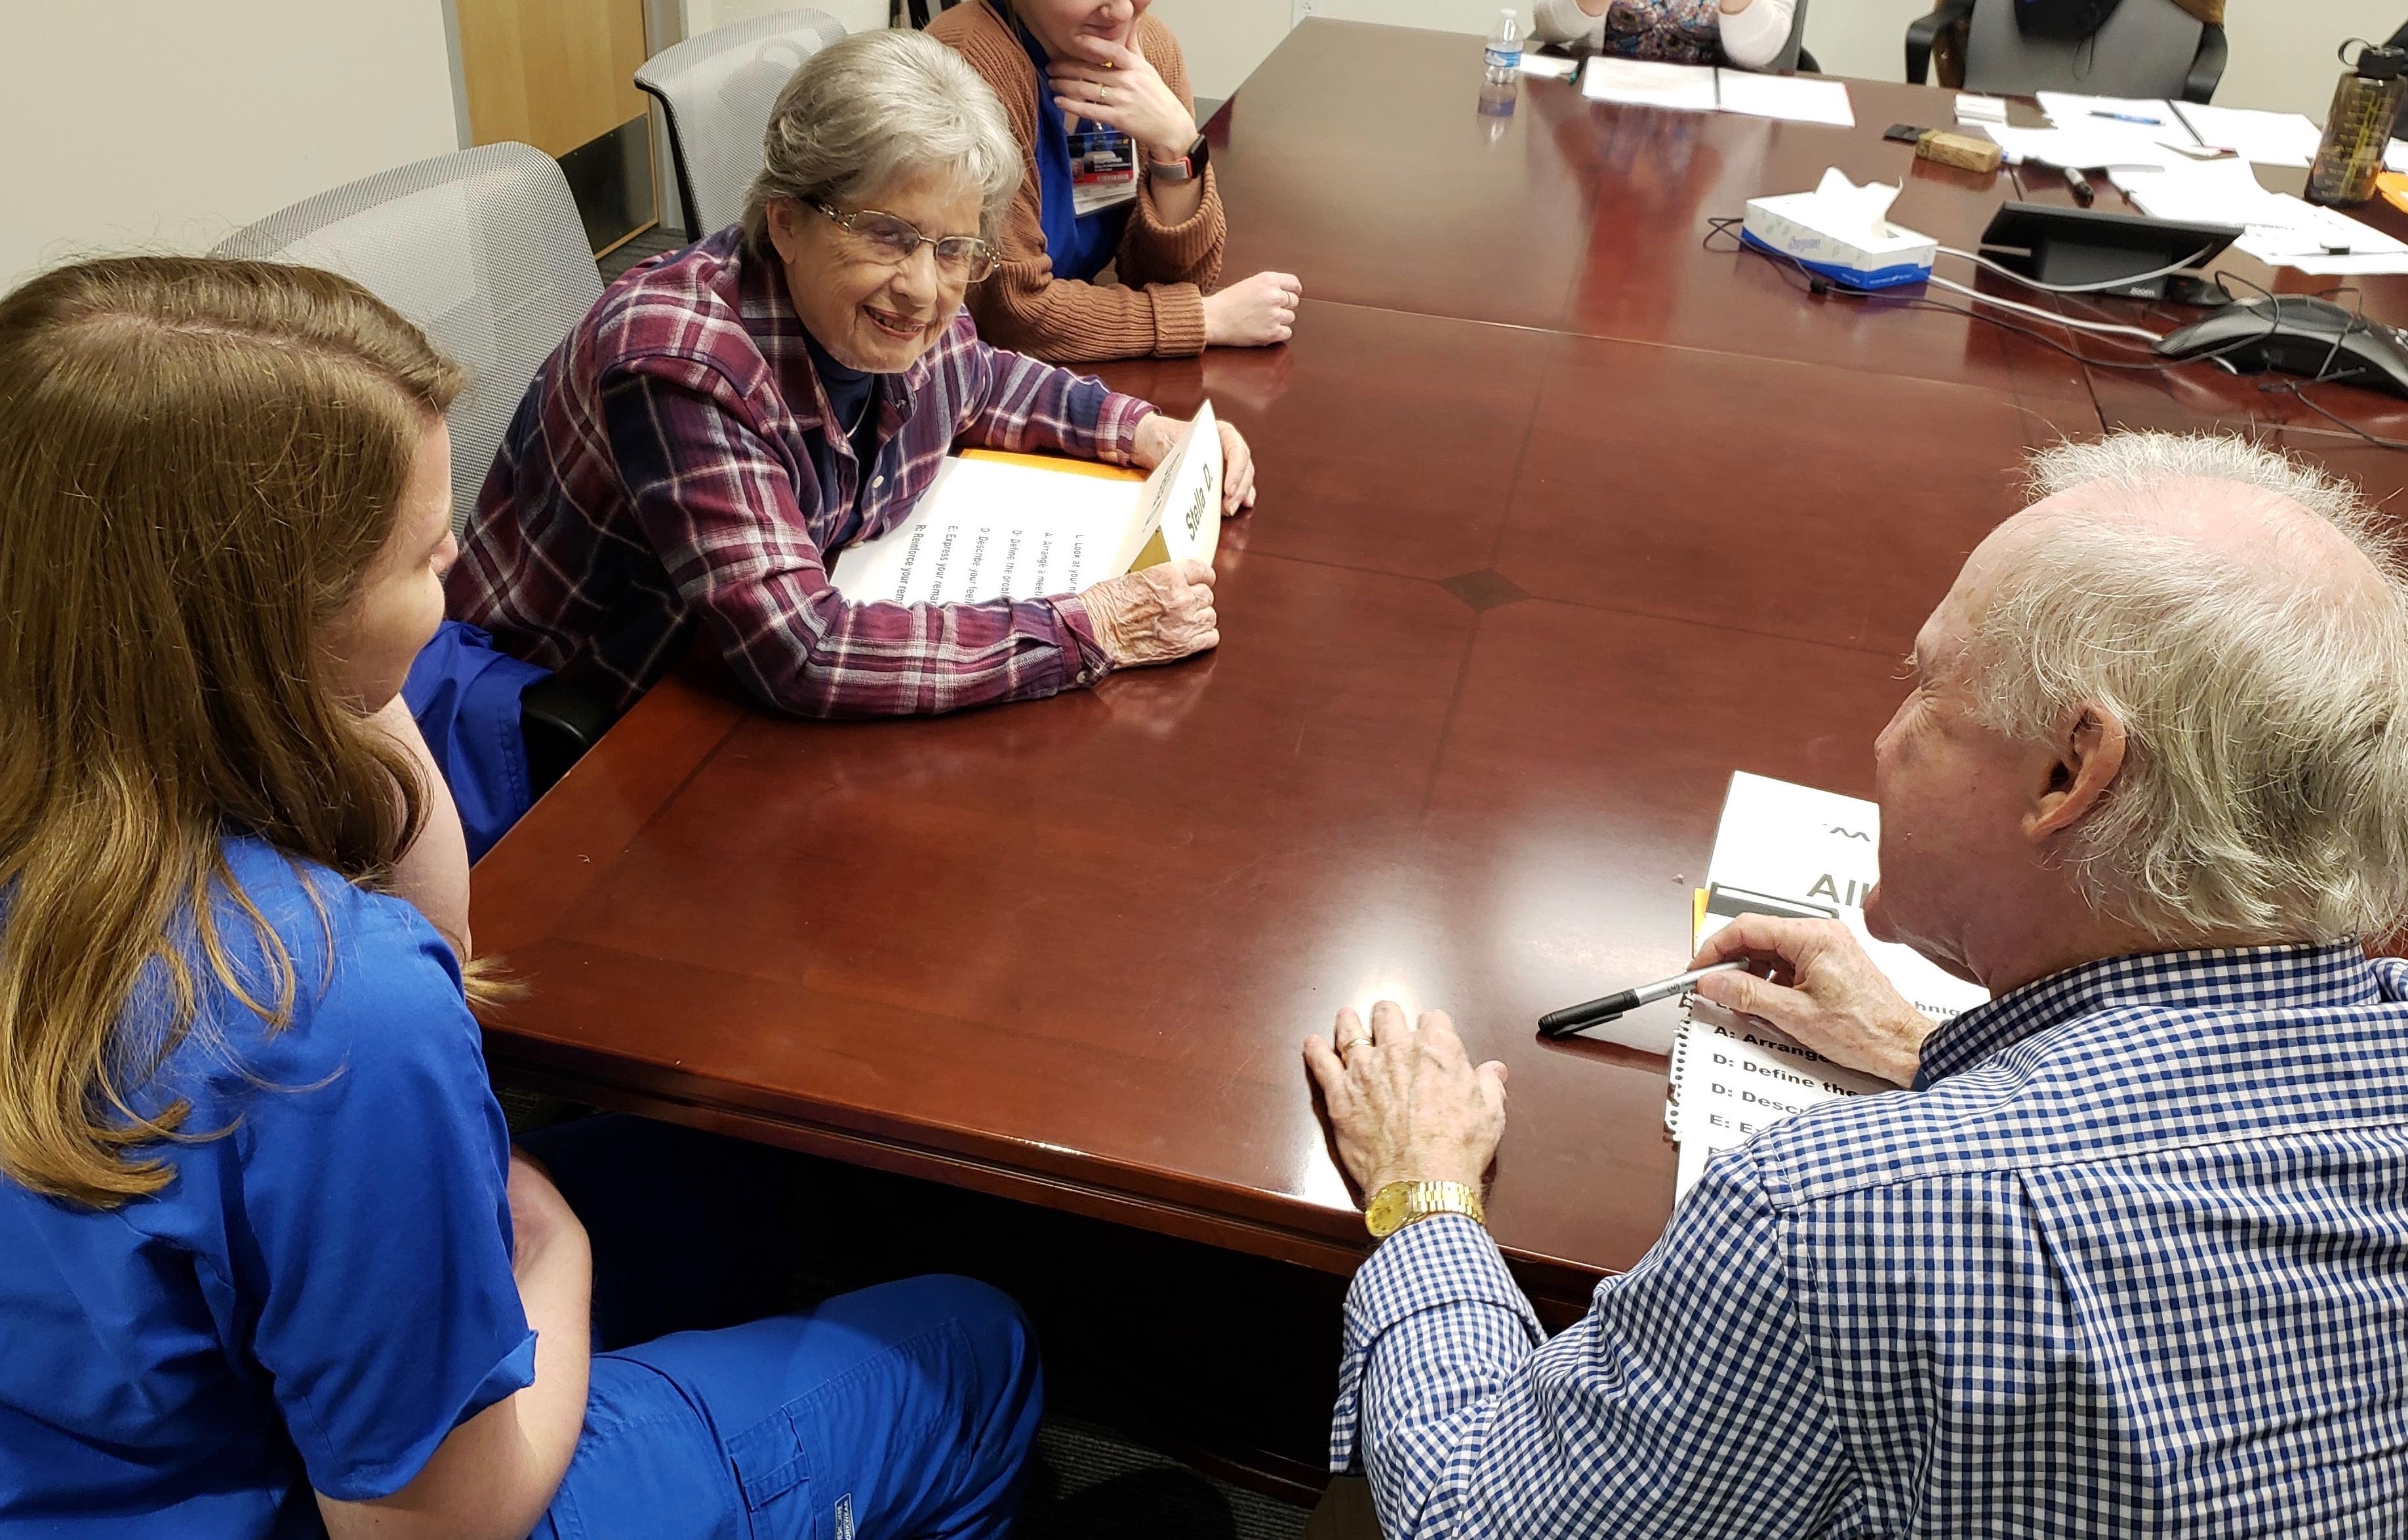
{"x":2267,"y":139}
{"x":2281,"y":230}
{"x":1642,"y":83}
{"x":2071,"y":110}
{"x":1791,"y":98}
{"x":2091,"y":149}
{"x":1549,"y":66}
{"x":1184,"y":496}
{"x":987,"y":530}
{"x":1981,"y":109}
{"x":2395,"y":155}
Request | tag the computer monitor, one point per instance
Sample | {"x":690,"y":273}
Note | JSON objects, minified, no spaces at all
{"x":2092,"y":247}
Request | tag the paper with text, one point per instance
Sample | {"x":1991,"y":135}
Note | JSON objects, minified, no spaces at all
{"x":990,"y":529}
{"x":1644,"y":83}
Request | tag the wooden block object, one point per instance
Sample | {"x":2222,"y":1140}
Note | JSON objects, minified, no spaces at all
{"x":1950,"y":148}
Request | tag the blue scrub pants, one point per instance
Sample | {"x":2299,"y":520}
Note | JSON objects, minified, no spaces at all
{"x":900,"y":1411}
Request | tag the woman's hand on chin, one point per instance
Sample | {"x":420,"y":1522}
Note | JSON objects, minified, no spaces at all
{"x":1158,"y":433}
{"x":1154,"y":615}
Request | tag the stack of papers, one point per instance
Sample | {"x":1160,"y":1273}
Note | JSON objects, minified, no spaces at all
{"x":1698,"y":87}
{"x":2282,"y":231}
{"x":1981,"y":109}
{"x":2263,"y":138}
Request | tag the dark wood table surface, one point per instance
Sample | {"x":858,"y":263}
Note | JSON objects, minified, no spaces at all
{"x":1567,"y":513}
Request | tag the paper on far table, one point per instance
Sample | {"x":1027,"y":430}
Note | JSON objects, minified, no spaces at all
{"x":1981,"y":109}
{"x":2266,"y":138}
{"x":1549,"y":66}
{"x":1791,"y":98}
{"x":2281,"y":230}
{"x":1642,"y":83}
{"x":2071,"y":110}
{"x":2103,"y":147}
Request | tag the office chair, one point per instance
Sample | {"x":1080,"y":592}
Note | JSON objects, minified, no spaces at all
{"x":1793,"y":56}
{"x":716,"y":91}
{"x":918,"y":14}
{"x":483,"y":249}
{"x":2149,"y":48}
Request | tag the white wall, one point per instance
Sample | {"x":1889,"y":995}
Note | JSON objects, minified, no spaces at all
{"x":163,"y":124}
{"x":857,"y":15}
{"x":2281,"y":49}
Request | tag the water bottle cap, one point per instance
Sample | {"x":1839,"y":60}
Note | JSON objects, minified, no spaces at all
{"x":2377,"y":64}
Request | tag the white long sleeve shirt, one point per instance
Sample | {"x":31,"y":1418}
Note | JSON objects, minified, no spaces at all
{"x":1751,"y":38}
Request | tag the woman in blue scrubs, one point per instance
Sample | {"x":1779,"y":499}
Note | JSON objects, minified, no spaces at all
{"x":268,"y":1264}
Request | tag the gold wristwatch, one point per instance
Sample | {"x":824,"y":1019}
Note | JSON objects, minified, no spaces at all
{"x":1400,"y":1203}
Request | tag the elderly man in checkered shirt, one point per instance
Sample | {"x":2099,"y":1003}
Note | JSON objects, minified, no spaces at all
{"x":2129,"y":1255}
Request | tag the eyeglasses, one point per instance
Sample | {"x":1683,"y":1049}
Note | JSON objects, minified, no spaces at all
{"x":895,"y":241}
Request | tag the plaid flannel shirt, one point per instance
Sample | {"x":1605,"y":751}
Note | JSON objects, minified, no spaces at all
{"x":660,"y":472}
{"x":2131,"y":1258}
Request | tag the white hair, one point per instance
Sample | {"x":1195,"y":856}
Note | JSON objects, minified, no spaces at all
{"x":876,"y":106}
{"x":2264,"y":790}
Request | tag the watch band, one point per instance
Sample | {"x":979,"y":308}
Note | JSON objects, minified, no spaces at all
{"x":1400,"y":1203}
{"x":1186,"y":168}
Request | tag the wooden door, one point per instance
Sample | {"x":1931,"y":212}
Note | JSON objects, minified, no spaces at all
{"x":558,"y":75}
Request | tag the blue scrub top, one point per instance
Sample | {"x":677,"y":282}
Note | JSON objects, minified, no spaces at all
{"x":1079,"y":246}
{"x":319,"y":1296}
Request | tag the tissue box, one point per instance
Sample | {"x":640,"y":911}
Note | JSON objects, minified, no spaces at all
{"x":1786,"y":225}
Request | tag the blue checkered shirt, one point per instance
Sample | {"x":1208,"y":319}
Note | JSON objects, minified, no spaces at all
{"x":2130,"y":1258}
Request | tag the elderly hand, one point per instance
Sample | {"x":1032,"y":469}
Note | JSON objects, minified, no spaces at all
{"x":1112,"y":83}
{"x":1823,"y":991}
{"x":1254,"y":313}
{"x":1405,"y":1102}
{"x":1154,"y":615}
{"x":1158,"y":434}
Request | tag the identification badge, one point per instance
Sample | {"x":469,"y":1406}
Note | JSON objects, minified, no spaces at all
{"x":1103,"y":168}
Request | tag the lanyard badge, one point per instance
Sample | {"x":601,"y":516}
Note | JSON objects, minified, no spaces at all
{"x":1103,"y":168}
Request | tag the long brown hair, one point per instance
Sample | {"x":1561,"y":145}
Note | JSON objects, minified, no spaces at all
{"x":197,"y":461}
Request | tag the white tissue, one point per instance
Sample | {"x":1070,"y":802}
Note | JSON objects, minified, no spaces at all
{"x":1859,"y":215}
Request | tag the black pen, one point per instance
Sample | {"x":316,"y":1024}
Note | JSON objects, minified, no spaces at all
{"x":2083,"y":191}
{"x":1571,"y":1019}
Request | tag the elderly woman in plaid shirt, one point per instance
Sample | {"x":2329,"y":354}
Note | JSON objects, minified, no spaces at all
{"x":729,"y":417}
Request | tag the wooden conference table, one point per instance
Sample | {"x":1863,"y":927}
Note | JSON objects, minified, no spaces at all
{"x":1565,"y":517}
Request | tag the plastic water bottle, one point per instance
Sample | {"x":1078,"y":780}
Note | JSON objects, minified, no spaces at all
{"x":1505,"y":49}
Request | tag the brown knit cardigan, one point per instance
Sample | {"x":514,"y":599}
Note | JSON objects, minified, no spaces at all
{"x":1157,"y":307}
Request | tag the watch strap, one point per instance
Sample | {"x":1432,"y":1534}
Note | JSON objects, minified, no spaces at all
{"x":1186,"y":168}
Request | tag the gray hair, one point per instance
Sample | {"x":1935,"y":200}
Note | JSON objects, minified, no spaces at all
{"x":2264,"y":790}
{"x":876,"y":106}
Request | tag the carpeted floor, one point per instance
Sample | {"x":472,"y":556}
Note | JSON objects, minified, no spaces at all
{"x":1089,"y":1482}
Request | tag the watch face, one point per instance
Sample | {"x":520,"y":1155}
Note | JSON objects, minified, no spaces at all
{"x":1387,"y":1209}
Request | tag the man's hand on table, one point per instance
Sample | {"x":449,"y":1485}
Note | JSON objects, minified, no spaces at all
{"x":1158,"y":434}
{"x":1823,"y":991}
{"x":1406,"y":1102}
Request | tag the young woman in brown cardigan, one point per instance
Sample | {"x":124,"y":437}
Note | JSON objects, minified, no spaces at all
{"x":1105,"y":62}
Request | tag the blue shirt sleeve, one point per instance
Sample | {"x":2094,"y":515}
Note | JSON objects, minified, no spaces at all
{"x":1685,"y":1402}
{"x":372,"y":1226}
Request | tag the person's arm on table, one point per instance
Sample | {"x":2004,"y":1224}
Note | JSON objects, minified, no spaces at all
{"x":719,"y":508}
{"x":1687,"y":1402}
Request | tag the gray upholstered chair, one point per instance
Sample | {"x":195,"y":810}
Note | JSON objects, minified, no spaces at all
{"x":716,"y":91}
{"x":2151,"y":49}
{"x":1793,"y":56}
{"x":482,"y":249}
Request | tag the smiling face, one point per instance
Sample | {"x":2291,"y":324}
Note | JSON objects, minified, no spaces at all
{"x":868,"y":312}
{"x":1054,"y":23}
{"x":400,"y":598}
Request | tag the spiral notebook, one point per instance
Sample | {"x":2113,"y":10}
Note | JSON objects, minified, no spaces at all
{"x":1786,"y":850}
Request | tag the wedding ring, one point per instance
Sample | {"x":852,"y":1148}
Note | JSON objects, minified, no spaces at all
{"x":1352,"y":1044}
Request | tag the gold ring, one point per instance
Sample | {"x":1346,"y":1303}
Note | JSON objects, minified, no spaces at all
{"x":1350,"y":1044}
